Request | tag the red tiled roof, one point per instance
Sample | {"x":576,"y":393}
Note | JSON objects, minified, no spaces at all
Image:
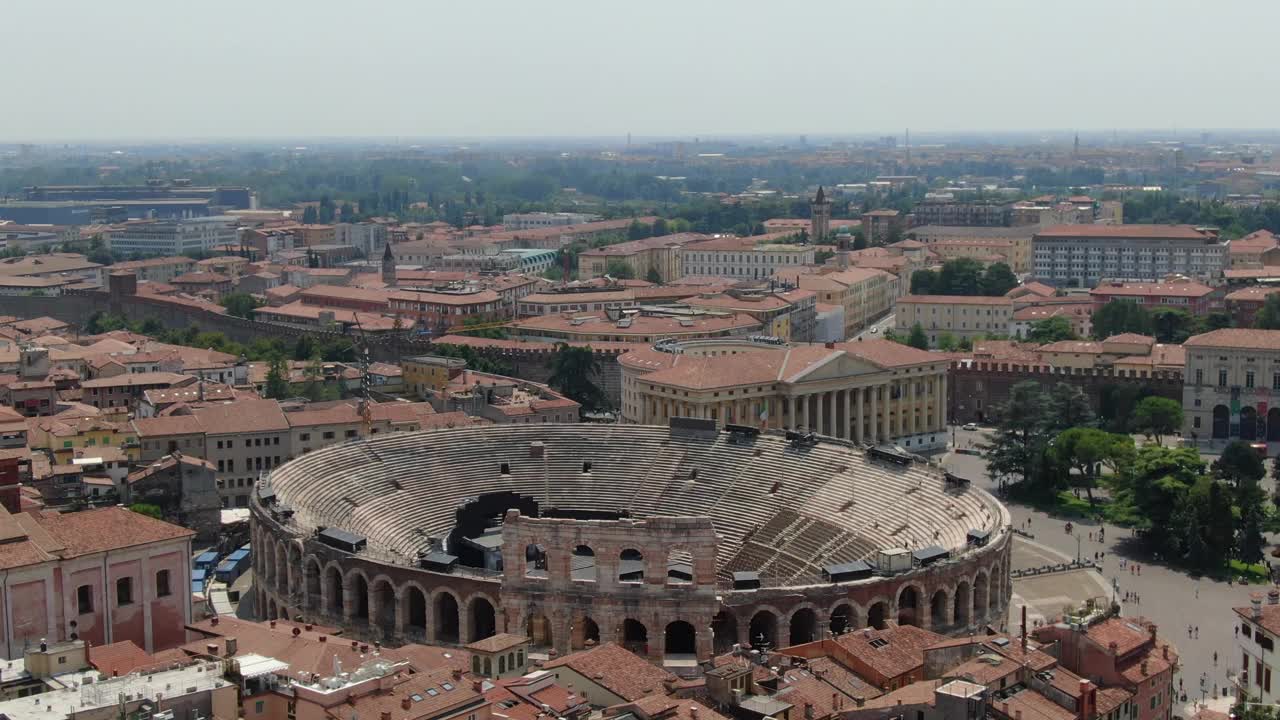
{"x":616,"y":669}
{"x":1243,"y":338}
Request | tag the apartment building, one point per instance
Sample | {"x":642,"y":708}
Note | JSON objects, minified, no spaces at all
{"x":438,"y":311}
{"x":1083,"y":255}
{"x":660,"y":254}
{"x":746,"y":258}
{"x":174,"y":236}
{"x":368,"y":238}
{"x":879,"y":226}
{"x":969,"y":214}
{"x":1179,"y":293}
{"x":242,"y":439}
{"x":1231,"y":388}
{"x":950,"y":242}
{"x":159,"y":269}
{"x":961,"y":316}
{"x":865,"y":294}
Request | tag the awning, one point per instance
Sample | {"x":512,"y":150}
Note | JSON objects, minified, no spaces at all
{"x":252,"y":666}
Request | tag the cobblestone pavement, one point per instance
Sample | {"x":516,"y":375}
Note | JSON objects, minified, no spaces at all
{"x":1169,"y":597}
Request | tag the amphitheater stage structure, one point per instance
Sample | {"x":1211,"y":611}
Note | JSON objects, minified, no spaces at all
{"x":677,"y":542}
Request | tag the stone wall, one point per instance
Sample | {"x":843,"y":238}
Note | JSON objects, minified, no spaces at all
{"x":977,"y":389}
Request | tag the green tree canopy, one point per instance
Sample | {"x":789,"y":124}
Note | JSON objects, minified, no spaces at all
{"x":1239,"y":463}
{"x":1051,"y":330}
{"x":653,"y":276}
{"x":1118,"y":317}
{"x":1155,"y":416}
{"x":1268,"y":317}
{"x":277,"y":386}
{"x":1173,"y":325}
{"x":240,"y":304}
{"x":997,"y":280}
{"x":572,"y":373}
{"x":1069,"y":407}
{"x":1022,"y":433}
{"x":619,"y":270}
{"x":918,"y":339}
{"x":1084,"y":450}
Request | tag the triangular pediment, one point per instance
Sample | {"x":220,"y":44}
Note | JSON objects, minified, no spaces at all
{"x":840,"y":365}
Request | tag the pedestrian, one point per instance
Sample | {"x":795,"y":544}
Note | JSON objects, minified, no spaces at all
{"x":1198,"y":637}
{"x":1215,"y":658}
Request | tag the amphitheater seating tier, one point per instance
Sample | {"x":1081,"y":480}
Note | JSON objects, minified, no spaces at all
{"x":780,"y":510}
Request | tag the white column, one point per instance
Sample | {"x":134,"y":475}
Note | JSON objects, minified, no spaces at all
{"x":791,"y":413}
{"x":941,"y":400}
{"x":888,"y":405}
{"x":846,"y":426}
{"x":833,"y":426}
{"x":875,"y":411}
{"x":857,"y":416}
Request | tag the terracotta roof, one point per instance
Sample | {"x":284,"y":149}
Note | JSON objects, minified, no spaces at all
{"x":616,"y":669}
{"x":1180,"y":232}
{"x":889,"y":354}
{"x":1242,"y":338}
{"x":901,"y":651}
{"x":124,"y":657}
{"x":1255,"y":293}
{"x":1190,"y":289}
{"x":498,"y":642}
{"x":136,"y":379}
{"x":246,"y":415}
{"x":917,"y":693}
{"x":1031,"y":704}
{"x":641,"y":325}
{"x":168,"y":425}
{"x":1126,"y":633}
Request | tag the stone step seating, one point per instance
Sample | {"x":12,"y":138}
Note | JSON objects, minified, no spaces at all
{"x":776,"y":507}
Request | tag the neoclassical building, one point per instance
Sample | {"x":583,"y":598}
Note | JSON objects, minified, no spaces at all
{"x":869,"y":391}
{"x":1231,"y":388}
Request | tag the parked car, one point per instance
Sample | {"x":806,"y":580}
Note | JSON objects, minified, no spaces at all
{"x":971,"y":426}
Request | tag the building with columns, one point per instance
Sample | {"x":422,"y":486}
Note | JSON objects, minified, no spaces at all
{"x":869,"y":391}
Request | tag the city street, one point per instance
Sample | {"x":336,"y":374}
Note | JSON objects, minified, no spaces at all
{"x":876,"y":329}
{"x":1170,"y":598}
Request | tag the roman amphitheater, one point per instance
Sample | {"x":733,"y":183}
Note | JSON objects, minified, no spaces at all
{"x":677,"y":542}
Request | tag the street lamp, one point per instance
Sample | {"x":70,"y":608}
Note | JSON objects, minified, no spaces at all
{"x":1077,"y":547}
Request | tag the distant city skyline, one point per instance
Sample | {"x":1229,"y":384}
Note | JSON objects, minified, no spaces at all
{"x":291,"y":69}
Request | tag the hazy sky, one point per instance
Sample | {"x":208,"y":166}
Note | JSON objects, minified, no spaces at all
{"x":300,"y":68}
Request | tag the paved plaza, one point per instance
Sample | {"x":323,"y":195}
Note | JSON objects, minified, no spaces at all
{"x":1171,"y":598}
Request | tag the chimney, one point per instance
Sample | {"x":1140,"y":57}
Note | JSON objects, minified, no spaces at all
{"x":808,"y":711}
{"x":307,"y":627}
{"x":477,"y":686}
{"x":386,"y":715}
{"x":859,"y":701}
{"x":232,"y":646}
{"x":1152,"y":629}
{"x":273,"y":624}
{"x":355,"y":645}
{"x":1165,"y":651}
{"x":296,"y":632}
{"x":1143,"y":668}
{"x":211,"y":648}
{"x":457,"y":674}
{"x":323,"y":638}
{"x":1256,"y":601}
{"x":1113,"y":648}
{"x":405,"y":703}
{"x":214,"y":621}
{"x":1017,"y":715}
{"x":693,"y":711}
{"x":364,"y":647}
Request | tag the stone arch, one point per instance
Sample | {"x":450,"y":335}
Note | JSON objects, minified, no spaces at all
{"x":336,"y":602}
{"x":535,"y":560}
{"x":679,"y":567}
{"x":680,"y":638}
{"x":763,"y":631}
{"x":583,"y":563}
{"x":724,"y":631}
{"x":311,"y":571}
{"x":587,"y":630}
{"x":359,"y":584}
{"x":963,"y":604}
{"x":803,"y":625}
{"x":996,"y":591}
{"x":271,"y":609}
{"x":280,"y":573}
{"x":1221,"y":427}
{"x":910,"y":600}
{"x":293,"y":558}
{"x":630,"y":566}
{"x":843,"y":618}
{"x":938,"y":610}
{"x":482,"y":617}
{"x":981,"y":589}
{"x":445,"y":607}
{"x":1248,"y":423}
{"x":1273,"y":425}
{"x":878,"y":613}
{"x":383,"y":605}
{"x":538,"y":628}
{"x":635,"y":636}
{"x":413,"y":598}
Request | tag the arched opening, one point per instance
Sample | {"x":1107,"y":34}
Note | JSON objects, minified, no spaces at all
{"x":1221,"y":422}
{"x":877,"y":615}
{"x":333,"y":579}
{"x":631,"y":566}
{"x":271,"y":609}
{"x":908,"y":606}
{"x":804,"y":626}
{"x":361,"y":587}
{"x":635,"y":636}
{"x":446,"y":612}
{"x":584,"y":564}
{"x":993,"y":591}
{"x":843,"y":619}
{"x":535,"y":561}
{"x":724,"y":632}
{"x":281,"y":571}
{"x":538,"y":628}
{"x":679,"y":567}
{"x":962,"y":605}
{"x":384,"y":603}
{"x":417,"y":611}
{"x":483,"y":619}
{"x":980,"y":597}
{"x":681,"y":639}
{"x":1248,"y":423}
{"x":1273,"y":425}
{"x":763,"y":630}
{"x":588,"y":632}
{"x":313,"y":585}
{"x":938,"y":609}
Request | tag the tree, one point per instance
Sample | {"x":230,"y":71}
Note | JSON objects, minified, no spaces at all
{"x":637,"y":230}
{"x":1173,"y":325}
{"x":923,"y":282}
{"x":619,"y":270}
{"x":1155,"y":416}
{"x":277,"y":387}
{"x":918,"y":339}
{"x":653,"y":276}
{"x":1239,"y":463}
{"x":147,"y":509}
{"x":572,"y":370}
{"x":240,"y":304}
{"x":314,"y":388}
{"x":1268,"y":317}
{"x":1153,"y":488}
{"x":947,"y":342}
{"x":1084,"y":449}
{"x":1118,"y":316}
{"x":309,"y":215}
{"x":961,"y":276}
{"x":659,"y":228}
{"x":1069,"y":407}
{"x":1215,"y":321}
{"x":1021,"y":433}
{"x":859,"y":240}
{"x":1051,"y":330}
{"x":304,"y":348}
{"x":997,"y":280}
